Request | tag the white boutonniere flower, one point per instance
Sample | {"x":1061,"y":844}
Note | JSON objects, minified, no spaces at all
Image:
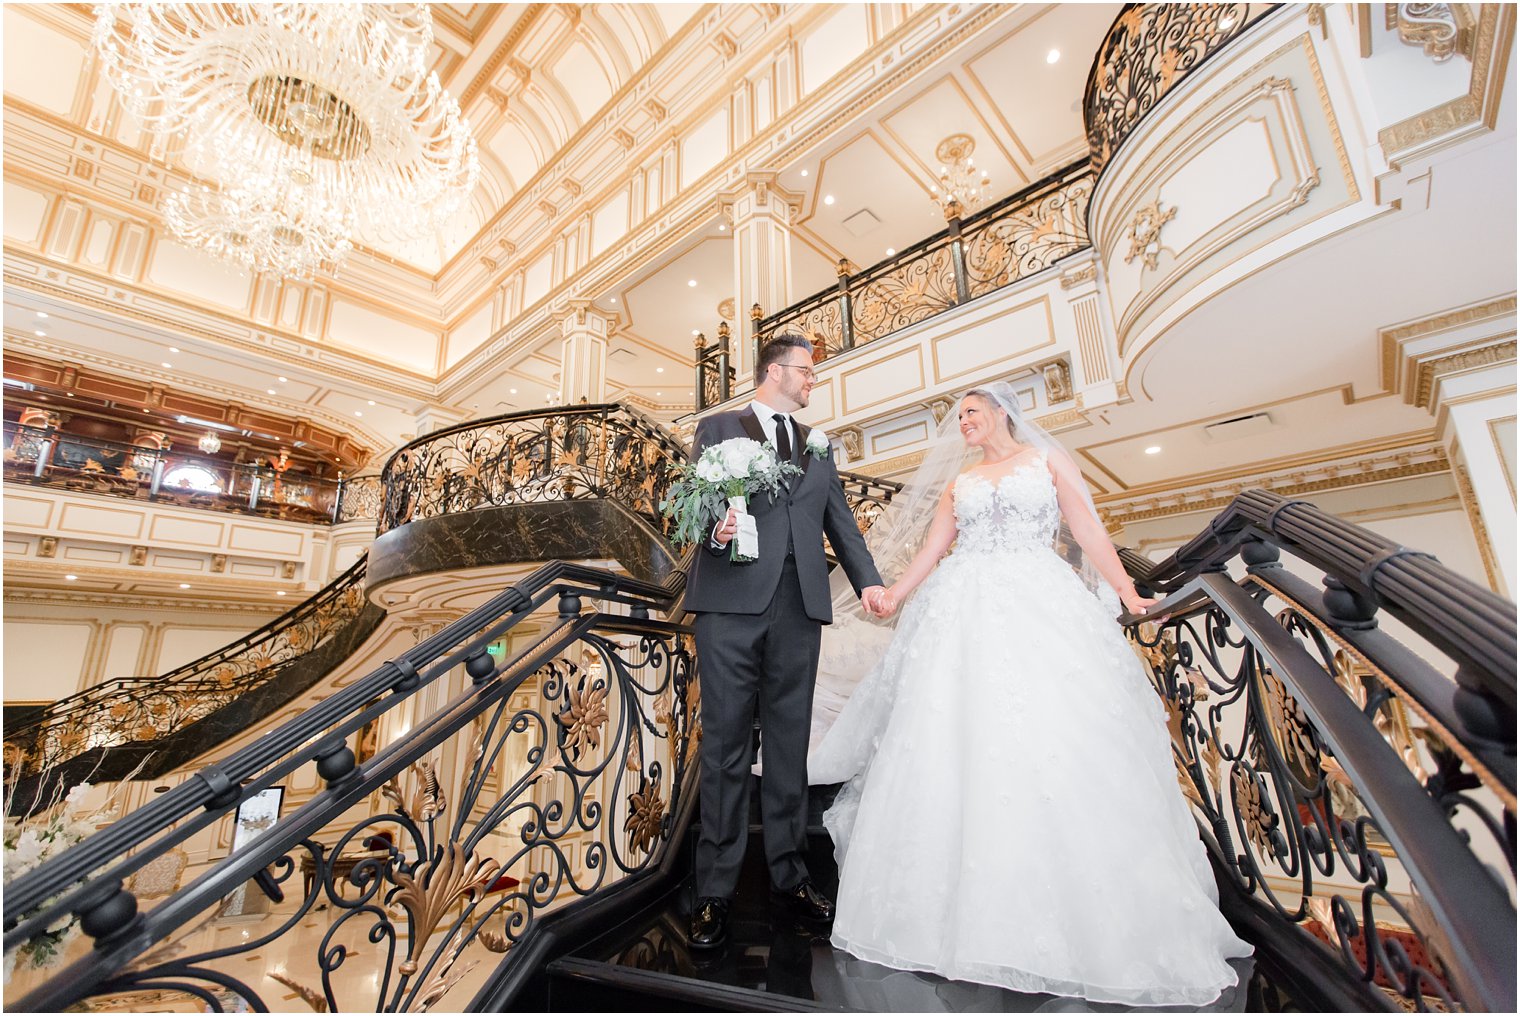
{"x":818,"y":444}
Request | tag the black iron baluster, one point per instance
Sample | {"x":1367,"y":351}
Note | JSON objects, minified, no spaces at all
{"x":957,"y":252}
{"x":846,"y":324}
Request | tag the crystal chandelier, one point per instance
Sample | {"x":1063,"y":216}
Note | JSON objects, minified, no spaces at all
{"x":210,"y":443}
{"x":308,"y":122}
{"x":962,"y":186}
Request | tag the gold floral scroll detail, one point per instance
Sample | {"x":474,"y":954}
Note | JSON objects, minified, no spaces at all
{"x":646,"y":811}
{"x":434,"y":887}
{"x":584,"y":717}
{"x":1250,"y":802}
{"x":1145,"y":233}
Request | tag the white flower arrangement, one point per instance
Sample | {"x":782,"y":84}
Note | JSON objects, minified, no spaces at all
{"x":31,"y":841}
{"x":818,"y":444}
{"x":724,"y":476}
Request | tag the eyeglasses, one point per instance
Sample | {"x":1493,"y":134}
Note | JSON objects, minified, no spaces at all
{"x":807,"y":372}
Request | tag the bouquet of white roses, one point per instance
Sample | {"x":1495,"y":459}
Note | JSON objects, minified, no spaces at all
{"x":724,"y":476}
{"x":30,"y":842}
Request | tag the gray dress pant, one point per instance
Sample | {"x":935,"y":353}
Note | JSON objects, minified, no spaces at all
{"x":766,"y":661}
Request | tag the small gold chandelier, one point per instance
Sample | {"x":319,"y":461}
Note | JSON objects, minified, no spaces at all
{"x":962,"y":187}
{"x":305,"y":124}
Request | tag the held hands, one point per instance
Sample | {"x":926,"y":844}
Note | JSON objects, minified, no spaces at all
{"x":879,"y":602}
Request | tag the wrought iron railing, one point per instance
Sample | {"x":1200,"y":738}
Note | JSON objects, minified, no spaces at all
{"x":1017,"y":237}
{"x":52,"y":458}
{"x":576,"y":774}
{"x":1360,"y":801}
{"x":715,"y":375}
{"x":867,"y":496}
{"x":129,"y":718}
{"x":572,"y":453}
{"x":1148,"y":51}
{"x":358,"y":498}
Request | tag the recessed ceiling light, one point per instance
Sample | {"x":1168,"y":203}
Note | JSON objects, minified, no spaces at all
{"x":41,"y":334}
{"x":184,"y":585}
{"x":1154,"y":449}
{"x":891,"y":251}
{"x":722,"y":228}
{"x":691,"y":282}
{"x":828,"y":199}
{"x":279,"y":592}
{"x":614,"y":299}
{"x":145,"y":409}
{"x":512,"y":391}
{"x":372,"y":402}
{"x":282,"y":380}
{"x":167,"y":364}
{"x":1053,"y":56}
{"x":658,"y":394}
{"x":804,"y":172}
{"x":357,"y":413}
{"x":42,"y":314}
{"x":269,"y":390}
{"x":71,"y":578}
{"x":173,"y":349}
{"x":69,"y":394}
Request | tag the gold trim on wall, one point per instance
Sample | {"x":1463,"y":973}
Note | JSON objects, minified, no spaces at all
{"x":1479,"y":530}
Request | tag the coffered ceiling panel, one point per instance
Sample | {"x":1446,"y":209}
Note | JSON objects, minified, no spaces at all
{"x":880,"y":201}
{"x":41,"y":65}
{"x":940,"y":111}
{"x":1039,"y":101}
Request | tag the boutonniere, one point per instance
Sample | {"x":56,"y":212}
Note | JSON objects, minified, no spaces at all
{"x":818,"y":444}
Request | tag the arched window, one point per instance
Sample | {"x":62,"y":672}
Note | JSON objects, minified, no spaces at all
{"x":191,"y":477}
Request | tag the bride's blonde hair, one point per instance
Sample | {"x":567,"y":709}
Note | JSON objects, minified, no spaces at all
{"x":993,"y":402}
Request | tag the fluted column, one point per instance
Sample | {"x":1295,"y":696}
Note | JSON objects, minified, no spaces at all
{"x":583,"y":354}
{"x":762,"y":215}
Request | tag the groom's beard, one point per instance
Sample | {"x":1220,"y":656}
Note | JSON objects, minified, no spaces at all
{"x":798,"y":394}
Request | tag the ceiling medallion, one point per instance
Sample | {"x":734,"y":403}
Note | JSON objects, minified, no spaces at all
{"x":304,"y":124}
{"x":962,"y":186}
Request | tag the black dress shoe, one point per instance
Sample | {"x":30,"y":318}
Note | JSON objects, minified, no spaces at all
{"x":709,"y":923}
{"x":806,"y":902}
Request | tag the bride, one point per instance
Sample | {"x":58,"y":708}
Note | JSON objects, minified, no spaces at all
{"x":1012,"y":814}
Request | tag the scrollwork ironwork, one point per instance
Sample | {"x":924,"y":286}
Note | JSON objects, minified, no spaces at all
{"x":1292,"y":827}
{"x":575,"y":453}
{"x":1148,"y":50}
{"x":1028,"y":238}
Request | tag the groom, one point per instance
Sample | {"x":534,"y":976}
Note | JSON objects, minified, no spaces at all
{"x":758,"y":629}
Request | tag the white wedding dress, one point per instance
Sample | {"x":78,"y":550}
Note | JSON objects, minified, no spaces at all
{"x":1012,"y":815}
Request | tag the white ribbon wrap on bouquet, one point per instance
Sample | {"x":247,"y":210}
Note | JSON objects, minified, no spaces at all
{"x":747,"y":538}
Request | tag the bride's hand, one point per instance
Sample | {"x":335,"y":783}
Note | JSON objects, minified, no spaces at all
{"x":1137,"y":604}
{"x":888,"y":601}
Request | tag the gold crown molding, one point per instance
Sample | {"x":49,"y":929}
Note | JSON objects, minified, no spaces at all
{"x":1117,"y":514}
{"x":1479,"y":529}
{"x":1427,"y":372}
{"x":49,"y":280}
{"x":503,"y":50}
{"x":888,"y":467}
{"x":541,"y":182}
{"x":48,"y":597}
{"x":586,"y":278}
{"x":1434,"y":129}
{"x":1392,"y":337}
{"x":1401,"y":443}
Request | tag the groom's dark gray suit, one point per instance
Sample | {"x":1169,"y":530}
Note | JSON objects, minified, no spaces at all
{"x":758,"y":630}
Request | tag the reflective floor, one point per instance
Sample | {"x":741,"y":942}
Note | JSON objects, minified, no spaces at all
{"x":768,"y":951}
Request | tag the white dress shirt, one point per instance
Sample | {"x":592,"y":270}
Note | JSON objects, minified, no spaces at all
{"x":767,"y":418}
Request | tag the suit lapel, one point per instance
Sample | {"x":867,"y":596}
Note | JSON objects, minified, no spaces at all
{"x":751,"y":424}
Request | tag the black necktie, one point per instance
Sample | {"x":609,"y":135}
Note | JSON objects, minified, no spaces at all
{"x":783,"y":438}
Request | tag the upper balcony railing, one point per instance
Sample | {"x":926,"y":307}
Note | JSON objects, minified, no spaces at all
{"x":51,"y":458}
{"x":1019,"y":236}
{"x":1149,"y":49}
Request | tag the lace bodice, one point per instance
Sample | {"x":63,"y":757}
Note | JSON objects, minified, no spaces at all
{"x":1017,"y":512}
